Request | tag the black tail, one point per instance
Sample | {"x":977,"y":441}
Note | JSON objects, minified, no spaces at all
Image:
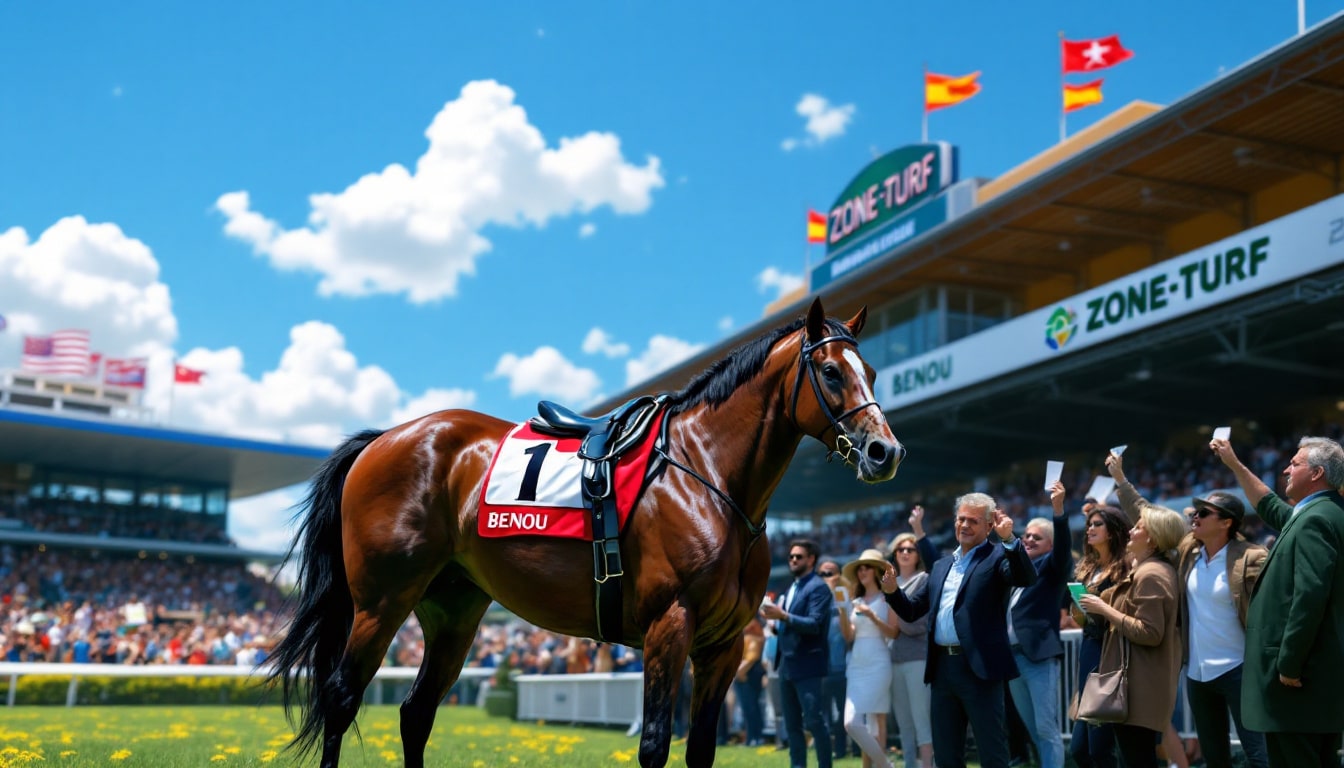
{"x":323,"y":610}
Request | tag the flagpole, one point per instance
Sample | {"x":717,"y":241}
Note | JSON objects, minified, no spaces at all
{"x":1301,"y":16}
{"x":1063,"y":119}
{"x":924,"y":111}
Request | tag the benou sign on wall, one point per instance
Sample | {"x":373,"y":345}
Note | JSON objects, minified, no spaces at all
{"x":889,"y":186}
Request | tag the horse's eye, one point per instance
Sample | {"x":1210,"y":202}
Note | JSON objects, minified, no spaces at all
{"x":831,"y":372}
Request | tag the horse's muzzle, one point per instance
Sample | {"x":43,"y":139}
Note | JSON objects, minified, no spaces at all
{"x":879,"y":460}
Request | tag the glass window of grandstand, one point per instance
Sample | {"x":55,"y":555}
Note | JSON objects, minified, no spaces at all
{"x":970,"y":311}
{"x":932,"y":316}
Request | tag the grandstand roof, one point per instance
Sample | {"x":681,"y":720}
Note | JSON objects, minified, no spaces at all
{"x":248,"y":467}
{"x":1278,"y":118}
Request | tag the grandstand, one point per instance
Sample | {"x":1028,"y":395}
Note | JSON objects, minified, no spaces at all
{"x":1165,"y":271}
{"x":118,"y":529}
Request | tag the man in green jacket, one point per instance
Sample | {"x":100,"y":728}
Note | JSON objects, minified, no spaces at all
{"x":1294,"y":669}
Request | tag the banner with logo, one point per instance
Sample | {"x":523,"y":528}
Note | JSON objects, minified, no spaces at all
{"x":1296,"y":245}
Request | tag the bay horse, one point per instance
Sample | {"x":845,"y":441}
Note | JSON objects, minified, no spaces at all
{"x":389,"y":527}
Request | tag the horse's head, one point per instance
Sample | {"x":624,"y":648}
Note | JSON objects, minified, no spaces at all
{"x":843,"y":414}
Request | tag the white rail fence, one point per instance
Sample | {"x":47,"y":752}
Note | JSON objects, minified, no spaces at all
{"x":597,"y":698}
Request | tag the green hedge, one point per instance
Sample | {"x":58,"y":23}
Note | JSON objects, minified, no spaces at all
{"x":93,"y":690}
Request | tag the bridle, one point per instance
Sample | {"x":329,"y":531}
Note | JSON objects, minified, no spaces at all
{"x":844,"y":445}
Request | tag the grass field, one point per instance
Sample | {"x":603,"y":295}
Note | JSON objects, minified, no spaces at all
{"x":463,"y":737}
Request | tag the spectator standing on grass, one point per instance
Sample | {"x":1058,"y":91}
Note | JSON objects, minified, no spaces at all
{"x":1142,"y":611}
{"x":802,"y":653}
{"x":1103,"y":566}
{"x":969,"y":657}
{"x":1217,"y":570}
{"x":1033,"y":631}
{"x":909,"y":650}
{"x":868,"y":625}
{"x":1294,"y":671}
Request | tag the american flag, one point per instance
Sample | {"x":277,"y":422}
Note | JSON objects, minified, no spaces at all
{"x":63,"y":353}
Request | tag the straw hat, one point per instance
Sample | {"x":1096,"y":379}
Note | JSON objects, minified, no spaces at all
{"x":871,"y":557}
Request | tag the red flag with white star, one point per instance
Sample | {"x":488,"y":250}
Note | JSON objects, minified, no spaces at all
{"x":1092,"y":55}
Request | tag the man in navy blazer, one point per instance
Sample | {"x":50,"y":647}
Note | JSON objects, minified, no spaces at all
{"x":966,"y":599}
{"x":802,"y":654}
{"x":1033,"y":630}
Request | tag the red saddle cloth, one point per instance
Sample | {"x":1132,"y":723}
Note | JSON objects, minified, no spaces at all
{"x":533,"y":486}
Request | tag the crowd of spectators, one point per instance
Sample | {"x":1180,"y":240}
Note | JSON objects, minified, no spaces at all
{"x":104,"y":520}
{"x":73,"y":605}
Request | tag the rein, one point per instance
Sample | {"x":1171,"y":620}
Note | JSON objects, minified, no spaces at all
{"x":844,"y":446}
{"x":661,"y":449}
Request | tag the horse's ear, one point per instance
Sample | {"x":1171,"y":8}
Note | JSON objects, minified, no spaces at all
{"x":816,"y":321}
{"x":856,"y":322}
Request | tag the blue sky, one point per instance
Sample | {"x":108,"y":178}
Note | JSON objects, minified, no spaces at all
{"x":350,"y":215}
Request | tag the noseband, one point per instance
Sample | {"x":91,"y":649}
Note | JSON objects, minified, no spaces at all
{"x":844,"y":446}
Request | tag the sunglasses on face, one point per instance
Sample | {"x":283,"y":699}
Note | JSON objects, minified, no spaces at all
{"x":906,"y":550}
{"x":1096,"y":524}
{"x":1203,"y":512}
{"x":828,"y":574}
{"x":796,"y":556}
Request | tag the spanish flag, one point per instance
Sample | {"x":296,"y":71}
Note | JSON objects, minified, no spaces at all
{"x":816,"y":227}
{"x":947,"y":91}
{"x":1081,"y":95}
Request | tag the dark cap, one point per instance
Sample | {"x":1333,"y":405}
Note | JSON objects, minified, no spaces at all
{"x":1225,"y":503}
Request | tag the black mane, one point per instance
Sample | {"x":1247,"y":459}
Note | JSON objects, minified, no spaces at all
{"x":718,"y":382}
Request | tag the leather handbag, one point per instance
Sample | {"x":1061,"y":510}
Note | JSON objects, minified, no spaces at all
{"x":1104,"y":695}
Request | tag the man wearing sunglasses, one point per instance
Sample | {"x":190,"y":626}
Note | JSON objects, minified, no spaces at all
{"x":802,"y":655}
{"x":1033,"y":631}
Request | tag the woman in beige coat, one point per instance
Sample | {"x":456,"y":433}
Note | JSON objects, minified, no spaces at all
{"x":1142,"y":610}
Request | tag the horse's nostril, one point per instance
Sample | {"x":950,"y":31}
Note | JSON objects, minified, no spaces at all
{"x":900,"y":453}
{"x":878,"y":451}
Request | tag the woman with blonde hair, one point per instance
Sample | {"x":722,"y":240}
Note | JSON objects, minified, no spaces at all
{"x":1142,"y":611}
{"x":868,"y":626}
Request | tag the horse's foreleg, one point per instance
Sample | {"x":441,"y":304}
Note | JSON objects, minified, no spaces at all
{"x":713,"y":669}
{"x":449,"y":619}
{"x":666,"y":643}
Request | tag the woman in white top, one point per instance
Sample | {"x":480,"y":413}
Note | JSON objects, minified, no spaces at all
{"x":868,"y":626}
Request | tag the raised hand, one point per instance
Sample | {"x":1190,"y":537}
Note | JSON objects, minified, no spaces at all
{"x":1115,"y":464}
{"x":1057,"y":497}
{"x":917,"y":521}
{"x":1003,"y":525}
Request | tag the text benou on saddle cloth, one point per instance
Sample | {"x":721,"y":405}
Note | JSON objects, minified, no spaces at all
{"x":533,"y":485}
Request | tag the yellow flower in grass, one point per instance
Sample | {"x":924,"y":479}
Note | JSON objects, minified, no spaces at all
{"x":513,"y":758}
{"x":623,"y":756}
{"x":563,"y":749}
{"x":269,"y":755}
{"x":233,"y":750}
{"x":389,"y":755}
{"x":120,"y":754}
{"x":68,"y":753}
{"x":478,"y":764}
{"x":218,"y":758}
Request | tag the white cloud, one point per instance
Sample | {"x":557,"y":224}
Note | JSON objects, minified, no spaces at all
{"x":825,"y":121}
{"x":726,"y":323}
{"x":782,"y":283}
{"x":548,"y":373}
{"x":587,"y":229}
{"x":662,"y":353}
{"x":599,"y":341}
{"x":417,"y":231}
{"x":82,"y":275}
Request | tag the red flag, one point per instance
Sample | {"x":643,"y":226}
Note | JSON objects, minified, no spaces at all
{"x":816,"y":227}
{"x":126,"y":373}
{"x":184,"y":375}
{"x":1091,"y":55}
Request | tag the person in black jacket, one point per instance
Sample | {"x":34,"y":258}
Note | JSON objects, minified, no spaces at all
{"x":969,"y":654}
{"x":1033,"y":630}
